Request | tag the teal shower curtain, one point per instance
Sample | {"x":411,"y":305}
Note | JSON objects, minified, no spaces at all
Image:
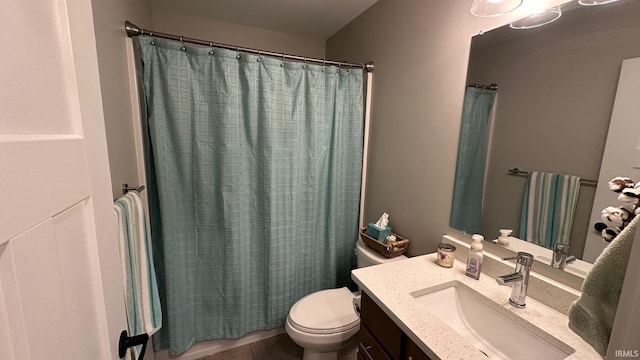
{"x":254,"y":188}
{"x":466,"y":206}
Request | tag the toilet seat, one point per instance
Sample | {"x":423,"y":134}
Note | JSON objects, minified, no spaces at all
{"x":324,"y":312}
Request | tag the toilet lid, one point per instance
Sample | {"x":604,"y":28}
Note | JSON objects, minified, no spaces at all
{"x":326,"y":311}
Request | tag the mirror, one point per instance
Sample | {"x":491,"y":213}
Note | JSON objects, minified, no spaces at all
{"x":556,"y":89}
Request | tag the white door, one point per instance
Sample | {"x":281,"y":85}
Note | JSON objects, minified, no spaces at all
{"x":622,"y":150}
{"x":60,"y":283}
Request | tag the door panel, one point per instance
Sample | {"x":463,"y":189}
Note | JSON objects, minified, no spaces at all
{"x":40,"y":293}
{"x":38,"y":56}
{"x":48,"y":175}
{"x":72,"y":230}
{"x":60,"y":282}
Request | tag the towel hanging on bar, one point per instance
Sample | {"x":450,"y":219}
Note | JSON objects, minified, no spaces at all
{"x":548,"y":208}
{"x":518,"y":172}
{"x":142,"y":300}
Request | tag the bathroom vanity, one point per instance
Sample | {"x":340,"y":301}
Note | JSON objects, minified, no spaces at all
{"x":408,"y":312}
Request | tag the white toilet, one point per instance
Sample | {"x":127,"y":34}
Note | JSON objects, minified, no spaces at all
{"x":324,"y":322}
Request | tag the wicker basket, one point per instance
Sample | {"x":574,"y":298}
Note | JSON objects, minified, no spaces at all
{"x":391,"y":250}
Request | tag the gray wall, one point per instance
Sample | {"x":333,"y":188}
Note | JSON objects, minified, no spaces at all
{"x":109,"y":17}
{"x":556,"y":91}
{"x":421,"y":50}
{"x":235,"y":34}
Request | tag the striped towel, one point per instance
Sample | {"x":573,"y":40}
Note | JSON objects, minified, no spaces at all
{"x":144,"y":314}
{"x":548,"y":207}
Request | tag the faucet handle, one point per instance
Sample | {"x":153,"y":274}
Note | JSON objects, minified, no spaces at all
{"x":561,"y":248}
{"x":523,"y":258}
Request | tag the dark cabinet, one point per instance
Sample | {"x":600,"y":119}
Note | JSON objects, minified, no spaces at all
{"x":412,"y":351}
{"x":381,"y":339}
{"x":369,"y":348}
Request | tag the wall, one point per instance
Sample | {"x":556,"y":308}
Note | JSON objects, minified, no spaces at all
{"x":421,"y":50}
{"x":109,"y":18}
{"x":113,"y":63}
{"x":234,"y":34}
{"x":556,"y":91}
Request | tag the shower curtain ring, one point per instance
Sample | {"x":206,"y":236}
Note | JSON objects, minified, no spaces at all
{"x":182,"y":47}
{"x":211,"y":52}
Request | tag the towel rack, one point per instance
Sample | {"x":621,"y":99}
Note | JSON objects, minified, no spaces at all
{"x":126,"y":188}
{"x":518,"y":172}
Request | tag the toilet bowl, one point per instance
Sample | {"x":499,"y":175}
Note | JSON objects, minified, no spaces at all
{"x":325,"y":322}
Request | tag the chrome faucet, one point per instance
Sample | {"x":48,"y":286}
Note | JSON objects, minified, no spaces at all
{"x":561,"y":256}
{"x":519,"y":279}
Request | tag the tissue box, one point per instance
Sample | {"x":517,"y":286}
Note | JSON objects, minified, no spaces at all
{"x":378,"y":233}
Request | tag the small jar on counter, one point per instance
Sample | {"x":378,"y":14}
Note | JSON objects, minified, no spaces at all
{"x":446,"y":255}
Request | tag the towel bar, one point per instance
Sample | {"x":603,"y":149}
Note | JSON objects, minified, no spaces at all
{"x":516,"y":171}
{"x":126,"y":188}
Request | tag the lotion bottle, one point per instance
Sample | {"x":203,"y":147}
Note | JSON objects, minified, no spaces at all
{"x":474,"y":259}
{"x":503,"y":239}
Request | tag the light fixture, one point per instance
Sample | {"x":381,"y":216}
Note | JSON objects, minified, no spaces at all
{"x":539,"y":19}
{"x":486,"y":8}
{"x":595,"y":2}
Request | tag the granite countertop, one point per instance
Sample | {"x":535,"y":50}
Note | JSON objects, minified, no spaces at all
{"x":390,"y":286}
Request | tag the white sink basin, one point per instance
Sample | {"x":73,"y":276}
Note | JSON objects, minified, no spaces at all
{"x":494,"y":330}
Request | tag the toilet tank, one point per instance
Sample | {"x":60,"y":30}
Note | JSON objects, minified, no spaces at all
{"x":369,"y":257}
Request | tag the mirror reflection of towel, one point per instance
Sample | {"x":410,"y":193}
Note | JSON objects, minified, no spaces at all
{"x":548,"y":207}
{"x":593,"y":314}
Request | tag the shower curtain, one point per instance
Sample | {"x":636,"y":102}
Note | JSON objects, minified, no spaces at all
{"x":254,"y":186}
{"x":466,"y":206}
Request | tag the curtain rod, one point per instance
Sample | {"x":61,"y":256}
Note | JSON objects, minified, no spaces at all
{"x":516,"y":171}
{"x":134,"y":30}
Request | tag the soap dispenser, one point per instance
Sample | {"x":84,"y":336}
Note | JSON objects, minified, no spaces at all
{"x":474,"y":259}
{"x":503,"y":239}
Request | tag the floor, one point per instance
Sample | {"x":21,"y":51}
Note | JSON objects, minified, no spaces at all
{"x":280,"y":347}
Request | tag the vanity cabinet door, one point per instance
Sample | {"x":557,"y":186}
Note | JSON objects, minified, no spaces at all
{"x":381,"y":328}
{"x":413,"y":352}
{"x":369,"y":348}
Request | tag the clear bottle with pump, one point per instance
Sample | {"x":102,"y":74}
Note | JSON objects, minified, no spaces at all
{"x":474,"y":259}
{"x":503,"y":239}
